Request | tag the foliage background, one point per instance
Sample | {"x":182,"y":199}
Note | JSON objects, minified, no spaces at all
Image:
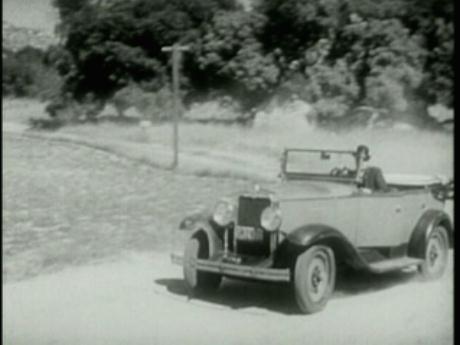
{"x":393,"y":57}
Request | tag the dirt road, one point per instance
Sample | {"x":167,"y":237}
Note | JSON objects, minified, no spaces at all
{"x":84,"y":262}
{"x":141,"y":300}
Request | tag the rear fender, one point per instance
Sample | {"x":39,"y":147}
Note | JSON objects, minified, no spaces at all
{"x":429,"y":220}
{"x":306,"y":236}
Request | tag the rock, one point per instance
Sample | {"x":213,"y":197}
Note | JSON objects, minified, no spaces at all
{"x":220,"y":110}
{"x":145,"y":124}
{"x":295,"y":114}
{"x":402,"y":126}
{"x":109,"y":110}
{"x":132,"y":112}
{"x":441,"y":113}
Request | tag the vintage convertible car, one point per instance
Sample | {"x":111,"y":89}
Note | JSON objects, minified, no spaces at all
{"x":328,"y":210}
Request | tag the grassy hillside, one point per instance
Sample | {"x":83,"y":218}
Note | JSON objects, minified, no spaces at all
{"x":215,"y":148}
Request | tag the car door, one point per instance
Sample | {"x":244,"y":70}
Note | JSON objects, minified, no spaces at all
{"x":380,"y":219}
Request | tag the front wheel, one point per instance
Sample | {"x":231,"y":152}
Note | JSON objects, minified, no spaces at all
{"x":314,"y":278}
{"x":436,"y":254}
{"x":198,"y":281}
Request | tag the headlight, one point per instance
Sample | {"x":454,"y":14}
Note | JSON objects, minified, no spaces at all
{"x":223,"y":213}
{"x":271,"y":218}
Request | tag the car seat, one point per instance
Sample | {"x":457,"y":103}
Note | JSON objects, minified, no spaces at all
{"x":373,"y":179}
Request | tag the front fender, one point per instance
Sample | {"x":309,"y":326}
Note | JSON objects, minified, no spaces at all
{"x":200,"y":223}
{"x":429,"y":220}
{"x":190,"y":221}
{"x":313,"y":233}
{"x":306,"y":236}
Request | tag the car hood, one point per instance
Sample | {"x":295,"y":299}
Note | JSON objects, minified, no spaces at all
{"x":287,"y":190}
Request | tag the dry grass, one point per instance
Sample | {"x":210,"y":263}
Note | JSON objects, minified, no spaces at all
{"x":22,"y":110}
{"x":396,"y":151}
{"x":237,"y":151}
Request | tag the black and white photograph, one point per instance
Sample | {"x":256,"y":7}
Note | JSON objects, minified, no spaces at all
{"x":203,"y":172}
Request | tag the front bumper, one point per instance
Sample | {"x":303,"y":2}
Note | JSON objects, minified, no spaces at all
{"x":235,"y":270}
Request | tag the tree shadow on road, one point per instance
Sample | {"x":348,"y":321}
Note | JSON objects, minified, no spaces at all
{"x":279,"y":298}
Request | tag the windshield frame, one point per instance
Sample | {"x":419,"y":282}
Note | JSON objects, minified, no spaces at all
{"x":290,"y":175}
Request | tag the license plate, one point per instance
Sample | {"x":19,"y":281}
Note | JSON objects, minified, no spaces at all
{"x":247,"y":233}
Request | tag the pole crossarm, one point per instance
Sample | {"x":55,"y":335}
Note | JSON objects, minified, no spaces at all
{"x":176,"y":47}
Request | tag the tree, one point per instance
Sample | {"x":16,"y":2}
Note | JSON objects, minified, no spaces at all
{"x":295,"y":25}
{"x":120,"y":42}
{"x":377,"y":47}
{"x":26,"y":73}
{"x":432,"y":22}
{"x":67,"y":8}
{"x":396,"y":52}
{"x":230,"y":57}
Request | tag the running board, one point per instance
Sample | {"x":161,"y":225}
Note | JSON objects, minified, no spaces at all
{"x":393,"y":264}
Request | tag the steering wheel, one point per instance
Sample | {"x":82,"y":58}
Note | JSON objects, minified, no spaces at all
{"x":335,"y":172}
{"x":341,"y":172}
{"x":345,"y":172}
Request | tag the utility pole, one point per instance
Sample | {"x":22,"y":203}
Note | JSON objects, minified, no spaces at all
{"x":176,"y":51}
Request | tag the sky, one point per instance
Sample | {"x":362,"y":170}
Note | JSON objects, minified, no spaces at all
{"x":36,"y":14}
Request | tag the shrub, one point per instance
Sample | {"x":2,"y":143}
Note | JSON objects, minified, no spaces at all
{"x":156,"y":106}
{"x":26,"y":74}
{"x":221,"y":109}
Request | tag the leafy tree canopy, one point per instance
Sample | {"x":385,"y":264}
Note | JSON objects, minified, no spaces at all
{"x":341,"y":52}
{"x":121,"y":41}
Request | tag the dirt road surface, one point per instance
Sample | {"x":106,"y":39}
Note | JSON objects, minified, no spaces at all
{"x":141,"y":300}
{"x":86,"y":242}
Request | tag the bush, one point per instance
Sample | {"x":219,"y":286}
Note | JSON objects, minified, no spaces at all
{"x":335,"y":55}
{"x":331,"y":88}
{"x":17,"y":78}
{"x":340,"y":55}
{"x":156,"y":106}
{"x":221,"y":109}
{"x":63,"y":110}
{"x":26,"y":74}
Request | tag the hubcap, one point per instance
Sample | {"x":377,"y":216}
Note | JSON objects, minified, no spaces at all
{"x":433,"y":255}
{"x":435,"y":252}
{"x":318,"y":277}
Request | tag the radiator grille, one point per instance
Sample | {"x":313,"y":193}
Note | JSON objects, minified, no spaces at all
{"x":249,"y":212}
{"x":250,"y":209}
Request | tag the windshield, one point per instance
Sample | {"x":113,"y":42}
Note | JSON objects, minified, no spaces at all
{"x":320,"y":162}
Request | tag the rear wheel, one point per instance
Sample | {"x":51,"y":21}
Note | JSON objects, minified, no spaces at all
{"x":198,"y":281}
{"x":436,"y":254}
{"x":314,"y":278}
